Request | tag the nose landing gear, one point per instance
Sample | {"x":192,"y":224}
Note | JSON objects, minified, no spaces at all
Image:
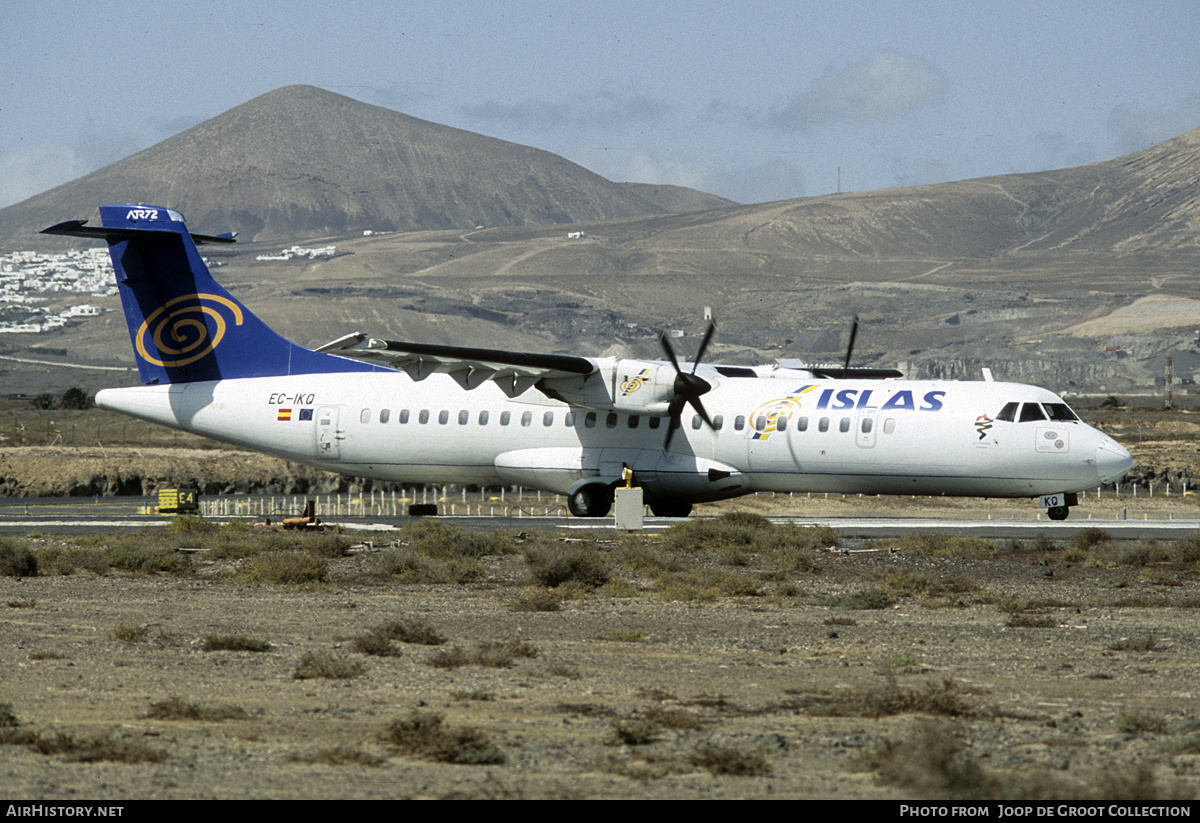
{"x":1058,"y":506}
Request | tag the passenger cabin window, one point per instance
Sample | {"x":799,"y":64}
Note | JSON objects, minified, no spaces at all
{"x":823,"y":424}
{"x":718,"y":422}
{"x":505,"y":418}
{"x":365,"y":416}
{"x":633,"y":421}
{"x":611,"y":420}
{"x":385,"y":415}
{"x":403,"y":417}
{"x":569,"y":420}
{"x":867,"y":423}
{"x":802,"y":424}
{"x":1032,"y":411}
{"x":739,"y":422}
{"x":483,"y":418}
{"x":1009,"y":413}
{"x":889,"y":425}
{"x":654,"y":422}
{"x":589,"y":420}
{"x":548,"y":419}
{"x":526,"y":418}
{"x":443,"y":417}
{"x":696,"y":421}
{"x":464,"y":417}
{"x":760,"y":422}
{"x":781,"y":424}
{"x":423,"y":417}
{"x":844,"y":425}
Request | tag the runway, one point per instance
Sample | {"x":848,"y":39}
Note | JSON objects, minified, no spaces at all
{"x":83,"y":515}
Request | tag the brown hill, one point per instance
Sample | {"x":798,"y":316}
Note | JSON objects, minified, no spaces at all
{"x":300,"y":161}
{"x":1145,"y":203}
{"x":677,"y":199}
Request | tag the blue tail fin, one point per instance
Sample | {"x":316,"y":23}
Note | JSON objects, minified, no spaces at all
{"x":184,"y":326}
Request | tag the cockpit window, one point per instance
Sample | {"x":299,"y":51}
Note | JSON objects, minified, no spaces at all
{"x":1060,"y":411}
{"x":1009,"y":413}
{"x":1032,"y":411}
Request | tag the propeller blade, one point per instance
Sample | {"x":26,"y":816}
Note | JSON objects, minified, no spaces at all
{"x":708,"y":333}
{"x":850,"y":345}
{"x":666,"y":344}
{"x":671,"y":427}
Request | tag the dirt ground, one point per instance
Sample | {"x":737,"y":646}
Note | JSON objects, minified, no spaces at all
{"x":1017,"y":677}
{"x":1020,"y":677}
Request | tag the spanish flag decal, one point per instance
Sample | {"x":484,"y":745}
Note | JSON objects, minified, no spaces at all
{"x":284,"y":414}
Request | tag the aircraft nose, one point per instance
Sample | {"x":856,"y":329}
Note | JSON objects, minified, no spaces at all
{"x":1112,"y":461}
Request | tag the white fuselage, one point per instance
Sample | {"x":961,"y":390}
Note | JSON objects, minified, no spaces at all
{"x":865,"y":436}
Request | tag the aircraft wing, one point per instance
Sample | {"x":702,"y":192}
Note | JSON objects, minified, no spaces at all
{"x":514,"y":372}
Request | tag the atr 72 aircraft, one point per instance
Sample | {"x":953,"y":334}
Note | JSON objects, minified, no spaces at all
{"x":420,"y":413}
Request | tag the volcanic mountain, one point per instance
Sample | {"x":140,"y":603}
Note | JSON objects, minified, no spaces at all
{"x":303,"y":162}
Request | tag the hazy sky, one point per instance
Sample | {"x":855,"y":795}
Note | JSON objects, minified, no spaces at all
{"x":752,"y":101}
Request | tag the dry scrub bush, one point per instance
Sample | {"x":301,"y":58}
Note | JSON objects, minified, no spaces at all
{"x":946,"y":699}
{"x":16,"y":560}
{"x":315,"y":665}
{"x":945,"y":545}
{"x":176,"y":708}
{"x":149,"y":560}
{"x":728,"y":760}
{"x":57,"y":560}
{"x":126,"y":632}
{"x":285,"y":568}
{"x":99,"y":748}
{"x":908,"y":583}
{"x":433,"y":538}
{"x":408,"y":630}
{"x":498,"y":654}
{"x":423,"y":734}
{"x":535,"y":601}
{"x":552,"y":566}
{"x":375,"y":645}
{"x":234,"y":643}
{"x":337,"y":756}
{"x":702,"y":584}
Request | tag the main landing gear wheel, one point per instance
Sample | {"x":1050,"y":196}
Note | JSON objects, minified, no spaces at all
{"x":670,"y":508}
{"x":593,"y":500}
{"x":1058,"y":512}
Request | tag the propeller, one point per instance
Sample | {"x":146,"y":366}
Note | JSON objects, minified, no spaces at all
{"x":861,"y":373}
{"x":688,"y":387}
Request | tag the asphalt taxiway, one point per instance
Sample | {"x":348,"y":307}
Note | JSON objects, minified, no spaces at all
{"x":87,"y":515}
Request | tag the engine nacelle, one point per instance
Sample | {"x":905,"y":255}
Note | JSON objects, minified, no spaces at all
{"x":632,"y":386}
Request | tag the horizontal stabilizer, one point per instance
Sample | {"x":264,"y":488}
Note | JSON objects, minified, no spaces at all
{"x":79,"y":228}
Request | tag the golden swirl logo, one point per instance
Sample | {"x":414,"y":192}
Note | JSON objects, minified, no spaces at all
{"x":772,"y":411}
{"x":631,"y":384}
{"x":178,"y":330}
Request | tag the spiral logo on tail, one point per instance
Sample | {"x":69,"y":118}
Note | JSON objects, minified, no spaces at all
{"x":178,"y":330}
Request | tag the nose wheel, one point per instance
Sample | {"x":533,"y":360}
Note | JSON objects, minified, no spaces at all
{"x":1058,"y":506}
